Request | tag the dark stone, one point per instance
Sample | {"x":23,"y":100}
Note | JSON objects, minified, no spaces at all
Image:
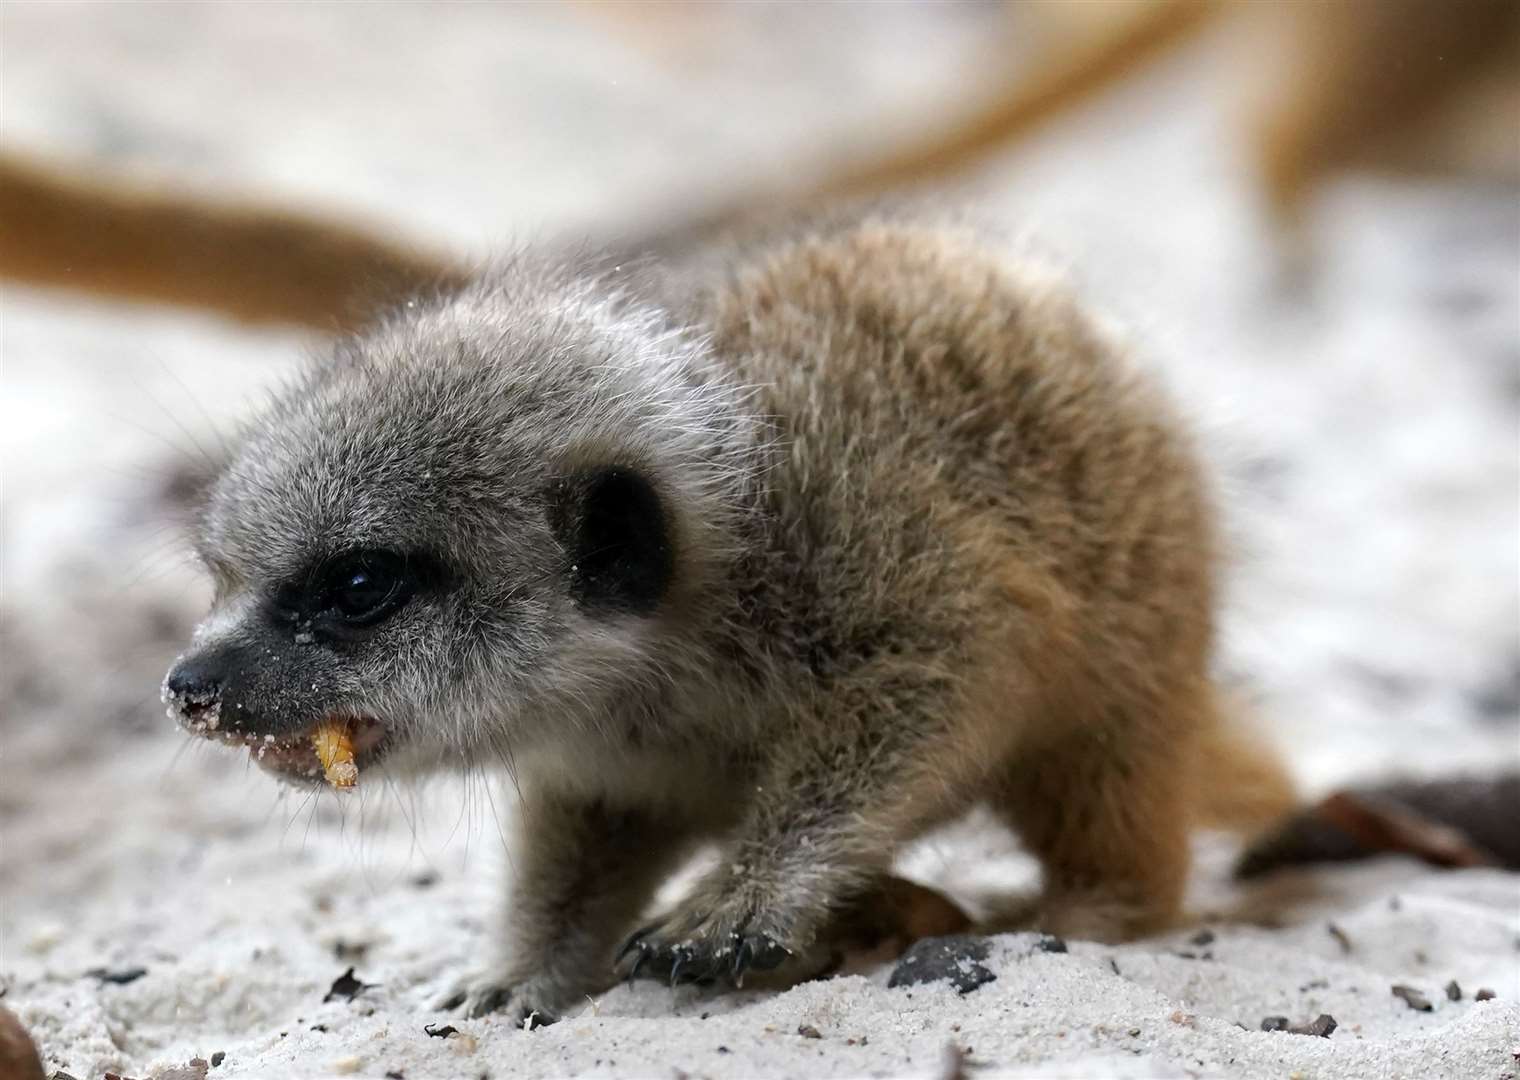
{"x":955,"y":957}
{"x":1320,"y":1027}
{"x":1275,"y":1023}
{"x":1049,"y":943}
{"x":1412,"y":997}
{"x":121,"y":977}
{"x":346,"y":986}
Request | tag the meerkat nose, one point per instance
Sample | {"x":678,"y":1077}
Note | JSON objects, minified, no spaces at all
{"x":195,"y":680}
{"x":193,"y":687}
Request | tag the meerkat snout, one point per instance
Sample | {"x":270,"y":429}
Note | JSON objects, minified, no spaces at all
{"x":239,"y":681}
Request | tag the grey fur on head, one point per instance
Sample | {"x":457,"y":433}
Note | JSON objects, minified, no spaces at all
{"x":457,"y":434}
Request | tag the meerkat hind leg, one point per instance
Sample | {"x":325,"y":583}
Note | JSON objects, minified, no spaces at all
{"x":1108,"y":824}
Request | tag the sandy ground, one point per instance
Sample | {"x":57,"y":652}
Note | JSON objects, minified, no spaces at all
{"x":1365,"y":435}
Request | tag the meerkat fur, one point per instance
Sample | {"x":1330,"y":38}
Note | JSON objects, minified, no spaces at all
{"x":801,"y":555}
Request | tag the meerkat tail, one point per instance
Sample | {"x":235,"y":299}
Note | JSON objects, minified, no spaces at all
{"x":1241,"y":783}
{"x":335,"y":750}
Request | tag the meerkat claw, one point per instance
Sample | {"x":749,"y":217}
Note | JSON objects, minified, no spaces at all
{"x":677,"y":963}
{"x":699,"y":959}
{"x":636,"y":966}
{"x":635,"y":942}
{"x":759,"y":952}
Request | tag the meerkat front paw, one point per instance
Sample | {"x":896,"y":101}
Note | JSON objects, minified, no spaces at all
{"x":657,"y":953}
{"x":702,"y":943}
{"x":487,"y":993}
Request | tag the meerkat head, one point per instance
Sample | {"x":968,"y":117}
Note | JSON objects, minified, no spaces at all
{"x":470,"y":527}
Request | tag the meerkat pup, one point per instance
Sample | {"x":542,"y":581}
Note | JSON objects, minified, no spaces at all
{"x":801,"y":555}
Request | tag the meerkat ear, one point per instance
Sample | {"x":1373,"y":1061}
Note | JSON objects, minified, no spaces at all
{"x":616,"y":531}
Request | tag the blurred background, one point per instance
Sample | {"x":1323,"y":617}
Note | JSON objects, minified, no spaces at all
{"x":1312,"y":236}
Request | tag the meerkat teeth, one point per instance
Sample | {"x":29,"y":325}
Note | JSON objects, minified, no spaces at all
{"x":335,"y":750}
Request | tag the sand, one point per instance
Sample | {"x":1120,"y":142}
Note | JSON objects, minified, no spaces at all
{"x":1365,"y":439}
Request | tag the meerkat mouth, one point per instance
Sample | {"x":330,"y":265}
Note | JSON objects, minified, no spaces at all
{"x":295,"y":756}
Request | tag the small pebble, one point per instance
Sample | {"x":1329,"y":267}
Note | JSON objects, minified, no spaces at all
{"x":1413,"y":998}
{"x":1320,"y":1027}
{"x":18,"y":1054}
{"x":121,"y":977}
{"x":954,"y":957}
{"x":346,"y":986}
{"x":1484,"y":994}
{"x":1453,"y":991}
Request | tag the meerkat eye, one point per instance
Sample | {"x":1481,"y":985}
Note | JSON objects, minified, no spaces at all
{"x":363,"y":587}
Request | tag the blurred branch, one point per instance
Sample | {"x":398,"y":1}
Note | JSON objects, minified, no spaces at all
{"x":1457,"y":822}
{"x":255,"y":264}
{"x":1115,"y":40}
{"x":1355,"y":74}
{"x":1134,"y":35}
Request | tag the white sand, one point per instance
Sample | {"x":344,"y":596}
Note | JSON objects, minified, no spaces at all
{"x":1368,"y":441}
